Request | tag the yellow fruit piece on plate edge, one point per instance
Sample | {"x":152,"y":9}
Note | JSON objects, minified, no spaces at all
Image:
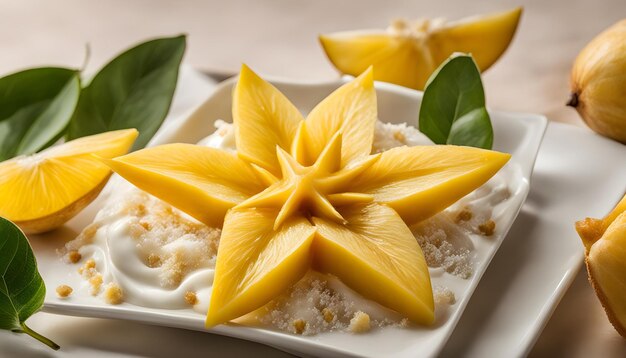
{"x":605,"y":258}
{"x":407,"y":54}
{"x":304,"y":194}
{"x":40,"y":192}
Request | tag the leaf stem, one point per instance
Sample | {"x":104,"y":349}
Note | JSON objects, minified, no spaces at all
{"x":39,"y":337}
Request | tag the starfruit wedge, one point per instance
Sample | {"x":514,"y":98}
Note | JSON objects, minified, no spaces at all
{"x":605,"y":257}
{"x":407,"y":53}
{"x":42,"y":191}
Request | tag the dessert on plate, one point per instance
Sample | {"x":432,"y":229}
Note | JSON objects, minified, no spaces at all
{"x":334,"y":222}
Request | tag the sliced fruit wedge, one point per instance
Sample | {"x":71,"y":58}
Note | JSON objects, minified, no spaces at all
{"x":264,"y":118}
{"x":418,"y":182}
{"x":337,"y":113}
{"x":377,"y":255}
{"x":42,"y":191}
{"x":203,"y":182}
{"x":255,"y":262}
{"x":407,"y":53}
{"x":605,"y":257}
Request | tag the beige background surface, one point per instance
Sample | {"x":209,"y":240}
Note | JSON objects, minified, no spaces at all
{"x":279,"y":38}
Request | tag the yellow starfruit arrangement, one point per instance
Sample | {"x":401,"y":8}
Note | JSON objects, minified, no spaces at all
{"x":302,"y":194}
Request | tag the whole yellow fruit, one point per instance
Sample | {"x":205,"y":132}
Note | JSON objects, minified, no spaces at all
{"x":598,"y":83}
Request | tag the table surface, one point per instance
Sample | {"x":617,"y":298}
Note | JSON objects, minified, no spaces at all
{"x":279,"y":38}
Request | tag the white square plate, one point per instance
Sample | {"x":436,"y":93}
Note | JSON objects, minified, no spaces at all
{"x":518,"y":134}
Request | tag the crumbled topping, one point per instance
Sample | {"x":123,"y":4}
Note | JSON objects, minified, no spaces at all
{"x":487,"y":228}
{"x":397,"y":135}
{"x":169,"y":239}
{"x":445,"y":245}
{"x":154,"y":260}
{"x":299,"y":325}
{"x":329,"y":316}
{"x":360,"y":323}
{"x":320,"y":303}
{"x":73,"y":256}
{"x":191,"y":298}
{"x":166,"y":239}
{"x":88,"y":269}
{"x":64,"y":291}
{"x":96,"y":283}
{"x":443,"y":296}
{"x":113,"y":294}
{"x":464,"y":215}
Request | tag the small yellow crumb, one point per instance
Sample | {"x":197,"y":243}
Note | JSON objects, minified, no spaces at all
{"x":299,"y":325}
{"x":328,"y":315}
{"x":88,"y":269}
{"x":464,"y":215}
{"x":154,"y":260}
{"x":64,"y":291}
{"x":146,"y":225}
{"x":191,"y":298}
{"x":96,"y":283}
{"x":488,"y":227}
{"x":399,"y":136}
{"x":113,"y":294}
{"x":74,"y":256}
{"x":360,"y":323}
{"x":138,"y":209}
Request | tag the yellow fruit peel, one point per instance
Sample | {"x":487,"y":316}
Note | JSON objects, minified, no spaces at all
{"x":407,"y":56}
{"x":605,"y":244}
{"x":42,"y":191}
{"x":292,"y":203}
{"x":598,"y":83}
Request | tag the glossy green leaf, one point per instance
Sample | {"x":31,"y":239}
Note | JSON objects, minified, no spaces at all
{"x":453,"y":107}
{"x":36,"y":106}
{"x":134,"y":90}
{"x":22,"y":289}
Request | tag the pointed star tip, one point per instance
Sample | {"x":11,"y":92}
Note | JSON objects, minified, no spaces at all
{"x":367,"y":77}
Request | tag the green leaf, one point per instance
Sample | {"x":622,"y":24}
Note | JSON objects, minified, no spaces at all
{"x":36,"y":106}
{"x":22,"y":289}
{"x":453,"y":107}
{"x":134,"y":90}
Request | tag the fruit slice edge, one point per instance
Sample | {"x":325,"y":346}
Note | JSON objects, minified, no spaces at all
{"x":40,"y":186}
{"x":408,"y":61}
{"x":377,"y":255}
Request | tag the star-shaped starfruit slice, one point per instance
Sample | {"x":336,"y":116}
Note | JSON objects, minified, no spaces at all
{"x":304,"y":194}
